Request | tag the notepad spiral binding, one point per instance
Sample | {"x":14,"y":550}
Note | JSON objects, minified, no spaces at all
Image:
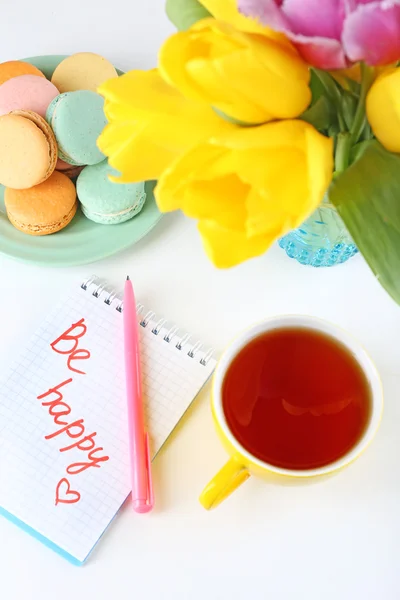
{"x":169,"y":333}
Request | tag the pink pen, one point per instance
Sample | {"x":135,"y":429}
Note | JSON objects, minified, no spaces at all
{"x":142,"y":486}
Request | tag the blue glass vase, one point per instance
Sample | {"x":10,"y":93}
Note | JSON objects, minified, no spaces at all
{"x":321,"y":241}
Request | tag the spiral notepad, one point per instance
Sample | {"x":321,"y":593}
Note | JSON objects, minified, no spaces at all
{"x":64,"y":461}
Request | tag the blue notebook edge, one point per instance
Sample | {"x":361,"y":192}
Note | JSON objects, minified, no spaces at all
{"x":13,"y":519}
{"x":47,"y":542}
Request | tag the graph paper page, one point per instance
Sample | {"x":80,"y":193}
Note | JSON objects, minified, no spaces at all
{"x":64,"y":461}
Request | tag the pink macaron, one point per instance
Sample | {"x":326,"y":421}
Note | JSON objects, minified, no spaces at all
{"x":62,"y":165}
{"x":69,"y":170}
{"x":27,"y":92}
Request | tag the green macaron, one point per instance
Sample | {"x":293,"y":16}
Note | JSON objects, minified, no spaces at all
{"x":77,"y":119}
{"x":104,"y":201}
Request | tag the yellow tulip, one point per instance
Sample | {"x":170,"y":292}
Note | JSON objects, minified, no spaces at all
{"x":354,"y":73}
{"x":249,"y":186}
{"x":383,"y":109}
{"x":251,"y":78}
{"x":227,"y":11}
{"x":341,"y":75}
{"x":151,"y":124}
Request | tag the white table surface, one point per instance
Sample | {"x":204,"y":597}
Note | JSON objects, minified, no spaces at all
{"x":334,"y":540}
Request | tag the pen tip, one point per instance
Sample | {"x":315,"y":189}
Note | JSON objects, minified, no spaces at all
{"x":127,"y":277}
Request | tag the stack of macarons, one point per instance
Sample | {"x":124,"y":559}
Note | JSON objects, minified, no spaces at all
{"x":49,"y":159}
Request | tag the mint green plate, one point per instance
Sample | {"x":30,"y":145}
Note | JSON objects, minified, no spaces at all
{"x":82,"y":241}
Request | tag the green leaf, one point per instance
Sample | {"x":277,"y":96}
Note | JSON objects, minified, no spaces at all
{"x":334,"y":93}
{"x":321,"y":114}
{"x":348,"y":107}
{"x":317,"y":89}
{"x":342,"y":151}
{"x":184,"y":13}
{"x":331,"y":87}
{"x":366,"y":133}
{"x":354,"y":86}
{"x":333,"y":130}
{"x":367,"y":197}
{"x":358,"y":150}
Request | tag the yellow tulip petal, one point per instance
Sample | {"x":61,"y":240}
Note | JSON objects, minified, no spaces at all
{"x":273,"y":176}
{"x":250,"y":78}
{"x":278,"y":134}
{"x":222,"y":200}
{"x":227,"y":248}
{"x":286,"y":97}
{"x":265,"y":217}
{"x":383,"y":109}
{"x":298,"y":171}
{"x":227,"y":10}
{"x":278,"y":201}
{"x":151,"y":124}
{"x":175,"y":52}
{"x":341,"y":75}
{"x":239,"y":100}
{"x":320,"y":165}
{"x":203,"y":184}
{"x":134,"y":153}
{"x":284,"y":74}
{"x":354,"y":73}
{"x":170,"y":190}
{"x":145,"y":91}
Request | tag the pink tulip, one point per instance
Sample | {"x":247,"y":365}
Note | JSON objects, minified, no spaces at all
{"x":332,"y":34}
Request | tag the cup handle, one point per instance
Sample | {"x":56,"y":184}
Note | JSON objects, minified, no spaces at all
{"x":226,"y":481}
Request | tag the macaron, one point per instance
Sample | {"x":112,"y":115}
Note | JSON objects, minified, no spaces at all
{"x":68,"y":170}
{"x":43,"y":209}
{"x":82,"y":71}
{"x":77,"y":119}
{"x":14,"y":68}
{"x":27,"y":92}
{"x":106,"y":202}
{"x":2,"y":204}
{"x":28,"y":150}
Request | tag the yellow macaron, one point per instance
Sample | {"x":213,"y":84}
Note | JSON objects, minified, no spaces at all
{"x":43,"y":209}
{"x":82,"y":71}
{"x":28,"y":149}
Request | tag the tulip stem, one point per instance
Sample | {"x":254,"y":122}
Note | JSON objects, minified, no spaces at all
{"x":367,"y":77}
{"x":342,"y":153}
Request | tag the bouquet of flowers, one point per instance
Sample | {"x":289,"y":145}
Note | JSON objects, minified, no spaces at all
{"x":257,"y":110}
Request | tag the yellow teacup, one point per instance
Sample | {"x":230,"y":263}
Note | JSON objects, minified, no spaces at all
{"x":242,"y":463}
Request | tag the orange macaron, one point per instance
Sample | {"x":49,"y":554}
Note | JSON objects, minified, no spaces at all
{"x":43,"y":209}
{"x":15,"y":68}
{"x":28,"y":149}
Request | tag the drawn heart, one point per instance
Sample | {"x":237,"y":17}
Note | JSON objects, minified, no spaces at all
{"x":64,"y":494}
